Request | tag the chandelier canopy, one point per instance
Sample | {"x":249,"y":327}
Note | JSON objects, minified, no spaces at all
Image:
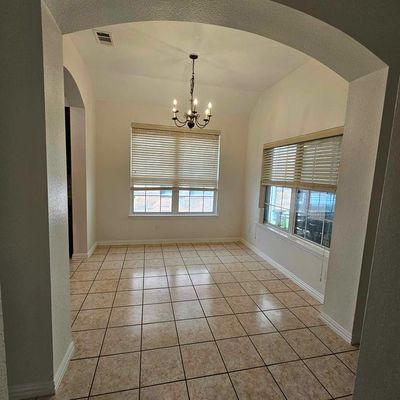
{"x":191,"y":117}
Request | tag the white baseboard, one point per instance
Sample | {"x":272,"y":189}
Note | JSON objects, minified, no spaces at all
{"x":314,"y":293}
{"x":64,"y":365}
{"x":38,"y":389}
{"x":79,"y":256}
{"x":343,"y":333}
{"x":31,"y":390}
{"x":166,"y":241}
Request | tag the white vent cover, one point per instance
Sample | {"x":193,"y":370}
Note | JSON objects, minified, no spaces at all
{"x":103,"y":37}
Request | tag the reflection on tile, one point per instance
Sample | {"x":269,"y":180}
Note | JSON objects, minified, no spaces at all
{"x":297,"y":382}
{"x":208,"y":291}
{"x":267,"y":302}
{"x":256,"y":384}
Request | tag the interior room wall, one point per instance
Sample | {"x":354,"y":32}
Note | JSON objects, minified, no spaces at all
{"x":311,"y":98}
{"x":113,"y":124}
{"x":75,"y":65}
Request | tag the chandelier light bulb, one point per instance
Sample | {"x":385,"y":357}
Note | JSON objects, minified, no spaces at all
{"x":207,"y":112}
{"x":175,"y":102}
{"x":195,"y":102}
{"x":209,"y":106}
{"x":189,"y":112}
{"x":174,"y":110}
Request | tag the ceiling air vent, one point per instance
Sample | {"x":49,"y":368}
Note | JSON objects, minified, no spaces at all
{"x":104,"y":37}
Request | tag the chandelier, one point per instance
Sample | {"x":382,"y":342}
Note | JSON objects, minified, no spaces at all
{"x":191,"y":117}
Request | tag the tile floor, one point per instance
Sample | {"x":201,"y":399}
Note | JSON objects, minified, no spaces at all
{"x":200,"y":322}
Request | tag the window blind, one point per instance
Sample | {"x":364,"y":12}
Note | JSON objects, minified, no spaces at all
{"x":165,"y":157}
{"x":310,"y":164}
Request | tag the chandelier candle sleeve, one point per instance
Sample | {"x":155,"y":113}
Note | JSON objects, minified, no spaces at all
{"x":191,"y":117}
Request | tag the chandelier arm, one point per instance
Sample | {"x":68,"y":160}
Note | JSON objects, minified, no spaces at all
{"x":181,"y":123}
{"x":200,"y":125}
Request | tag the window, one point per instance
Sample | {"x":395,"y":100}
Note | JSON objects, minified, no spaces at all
{"x":174,"y":171}
{"x":299,"y":183}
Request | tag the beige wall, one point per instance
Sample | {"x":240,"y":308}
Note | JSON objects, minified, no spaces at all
{"x":356,"y":175}
{"x":310,"y":99}
{"x":75,"y":65}
{"x":3,"y":365}
{"x":113,"y":121}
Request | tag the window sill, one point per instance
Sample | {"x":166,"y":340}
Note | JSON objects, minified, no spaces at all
{"x":303,"y":244}
{"x":136,"y":215}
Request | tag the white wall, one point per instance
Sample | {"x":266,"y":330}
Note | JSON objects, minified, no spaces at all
{"x":310,"y":99}
{"x":113,"y":121}
{"x":75,"y":65}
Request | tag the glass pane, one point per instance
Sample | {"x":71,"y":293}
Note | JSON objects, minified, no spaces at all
{"x":314,"y":230}
{"x":286,"y":197}
{"x":166,"y":204}
{"x":284,"y":222}
{"x":208,"y":193}
{"x":302,"y":201}
{"x":273,"y":215}
{"x":196,"y":193}
{"x":209,"y":204}
{"x":313,"y":205}
{"x":183,"y":203}
{"x":300,"y":224}
{"x":166,"y":193}
{"x":140,"y":192}
{"x":139,"y":203}
{"x":152,"y":203}
{"x":196,"y":204}
{"x":184,"y":193}
{"x":153,"y":193}
{"x":326,"y":240}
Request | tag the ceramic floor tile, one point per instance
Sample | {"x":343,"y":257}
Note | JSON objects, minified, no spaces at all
{"x":267,"y":302}
{"x":179,"y":280}
{"x":208,"y":291}
{"x":122,"y":340}
{"x":153,"y":296}
{"x":132,"y":273}
{"x":283,"y":319}
{"x":218,"y":387}
{"x":308,"y":298}
{"x":255,"y":323}
{"x":256,"y":384}
{"x":273,"y":348}
{"x":131,"y":284}
{"x":276,"y":286}
{"x":161,"y":366}
{"x":87,"y":343}
{"x":291,"y":299}
{"x":254,"y":287}
{"x":183,"y":293}
{"x":305,"y":343}
{"x":80,"y":287}
{"x":201,"y":359}
{"x":167,"y":391}
{"x":98,"y":300}
{"x":157,"y":313}
{"x":226,"y":326}
{"x":264,"y":275}
{"x":308,"y":315}
{"x":193,"y":331}
{"x":128,"y":298}
{"x":231,"y":289}
{"x":129,"y":315}
{"x":214,"y":307}
{"x":162,"y":334}
{"x":242,"y":304}
{"x":83,"y":276}
{"x":335,"y":376}
{"x":118,"y":372}
{"x":334,"y":342}
{"x":350,"y":359}
{"x":108,"y":274}
{"x":155,"y":282}
{"x":77,"y":379}
{"x":201,"y":279}
{"x":91,"y":319}
{"x":187,"y":309}
{"x":297,"y":382}
{"x":77,"y":301}
{"x":126,"y":395}
{"x":108,"y":285}
{"x":239,"y":353}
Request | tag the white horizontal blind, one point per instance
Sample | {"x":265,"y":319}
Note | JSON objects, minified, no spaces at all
{"x":309,"y":164}
{"x":174,"y":159}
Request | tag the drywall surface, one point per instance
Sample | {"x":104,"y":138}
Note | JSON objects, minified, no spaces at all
{"x":56,"y":187}
{"x":310,"y":99}
{"x":24,"y":228}
{"x":356,"y":174}
{"x":113,"y":124}
{"x":77,"y":68}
